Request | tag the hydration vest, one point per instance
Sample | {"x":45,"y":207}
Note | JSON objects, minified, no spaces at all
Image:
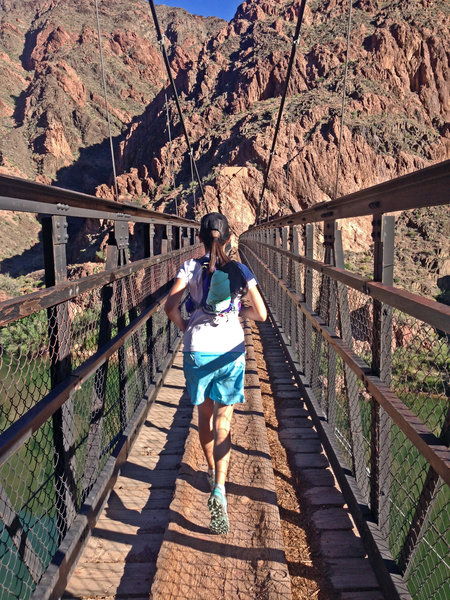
{"x":219,"y":289}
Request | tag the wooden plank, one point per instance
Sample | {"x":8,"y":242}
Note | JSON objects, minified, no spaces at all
{"x":289,"y":433}
{"x":133,"y":498}
{"x":120,"y":580}
{"x":352,"y":574}
{"x":331,"y":518}
{"x":324,"y":496}
{"x":130,"y":522}
{"x":336,"y":544}
{"x":318,"y":477}
{"x":297,"y":424}
{"x":142,"y":548}
{"x":247,"y":563}
{"x":310,"y":461}
{"x":287,"y":414}
{"x":302,"y":446}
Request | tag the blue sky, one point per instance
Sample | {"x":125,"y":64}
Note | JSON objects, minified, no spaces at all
{"x":224,"y":9}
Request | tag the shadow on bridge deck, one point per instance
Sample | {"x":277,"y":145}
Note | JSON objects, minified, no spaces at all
{"x":152,"y":539}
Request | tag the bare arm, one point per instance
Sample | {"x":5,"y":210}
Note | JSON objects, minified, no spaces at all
{"x":172,"y":305}
{"x":256,"y":309}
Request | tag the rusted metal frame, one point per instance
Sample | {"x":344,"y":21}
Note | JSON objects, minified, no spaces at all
{"x":383,"y":236}
{"x":21,"y":430}
{"x":391,"y":582}
{"x":425,"y":504}
{"x":93,"y":443}
{"x":378,"y":345}
{"x":300,"y":318}
{"x":292,"y":307}
{"x":148,"y":253}
{"x":55,"y":579}
{"x":437,"y":455}
{"x":350,"y":381}
{"x":316,"y":383}
{"x":308,"y":286}
{"x":426,"y":187}
{"x":284,"y":276}
{"x":55,"y":239}
{"x":122,"y":240}
{"x":23,"y":306}
{"x":15,"y":193}
{"x":329,"y":238}
{"x":429,"y":311}
{"x":169,"y":231}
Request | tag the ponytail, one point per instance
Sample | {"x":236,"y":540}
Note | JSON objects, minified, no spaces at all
{"x":217,"y":252}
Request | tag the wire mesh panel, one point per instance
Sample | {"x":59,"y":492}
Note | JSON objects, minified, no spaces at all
{"x":87,"y":362}
{"x":344,"y":338}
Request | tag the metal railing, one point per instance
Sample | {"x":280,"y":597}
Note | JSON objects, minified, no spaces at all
{"x":373,"y":363}
{"x":80,"y":361}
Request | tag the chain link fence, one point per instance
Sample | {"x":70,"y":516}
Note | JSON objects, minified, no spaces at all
{"x":342,"y":335}
{"x":74,"y":375}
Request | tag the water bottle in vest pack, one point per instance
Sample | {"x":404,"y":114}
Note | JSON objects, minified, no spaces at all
{"x":220,"y":289}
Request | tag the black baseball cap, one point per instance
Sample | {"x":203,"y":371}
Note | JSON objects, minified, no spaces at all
{"x":215,"y":221}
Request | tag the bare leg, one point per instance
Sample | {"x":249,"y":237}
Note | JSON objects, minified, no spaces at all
{"x":222,"y":440}
{"x":205,"y":430}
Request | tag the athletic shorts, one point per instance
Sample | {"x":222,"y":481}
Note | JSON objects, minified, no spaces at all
{"x":219,"y":376}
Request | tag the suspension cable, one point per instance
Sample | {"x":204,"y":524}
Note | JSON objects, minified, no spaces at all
{"x":192,"y":181}
{"x":170,"y":150}
{"x":160,"y":38}
{"x":338,"y":167}
{"x":105,"y":94}
{"x":283,"y":99}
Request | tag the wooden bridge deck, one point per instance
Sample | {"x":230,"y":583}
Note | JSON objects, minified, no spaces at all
{"x":153,"y":541}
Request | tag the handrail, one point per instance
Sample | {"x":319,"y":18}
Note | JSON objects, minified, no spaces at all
{"x":420,"y":436}
{"x":426,"y":187}
{"x":20,"y":195}
{"x":21,"y":431}
{"x":429,"y":311}
{"x":25,"y":305}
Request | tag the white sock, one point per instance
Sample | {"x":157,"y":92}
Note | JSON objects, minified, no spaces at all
{"x":221,"y":487}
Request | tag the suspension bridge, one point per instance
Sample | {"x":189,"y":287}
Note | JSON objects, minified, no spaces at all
{"x":102,"y":482}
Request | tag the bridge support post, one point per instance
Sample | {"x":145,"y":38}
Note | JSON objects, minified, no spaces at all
{"x":55,"y":239}
{"x":351,"y":382}
{"x":285,"y":277}
{"x":309,"y":252}
{"x":149,"y":326}
{"x":297,"y":242}
{"x":330,"y":258}
{"x":383,"y":229}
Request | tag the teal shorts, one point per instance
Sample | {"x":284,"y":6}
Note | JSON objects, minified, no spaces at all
{"x":219,"y":376}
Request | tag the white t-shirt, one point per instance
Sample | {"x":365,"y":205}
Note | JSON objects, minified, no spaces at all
{"x":210,"y":333}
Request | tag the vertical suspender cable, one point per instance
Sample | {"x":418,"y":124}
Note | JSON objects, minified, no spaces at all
{"x":193,"y":183}
{"x":283,"y":99}
{"x":170,"y":150}
{"x":338,"y":167}
{"x":105,"y":94}
{"x":175,"y":94}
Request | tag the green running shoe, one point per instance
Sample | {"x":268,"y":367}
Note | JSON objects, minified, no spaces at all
{"x":217,"y":504}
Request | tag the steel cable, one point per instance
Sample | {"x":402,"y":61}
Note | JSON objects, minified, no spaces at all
{"x":338,"y":166}
{"x":170,"y":150}
{"x":105,"y":94}
{"x":283,"y":99}
{"x":160,"y":39}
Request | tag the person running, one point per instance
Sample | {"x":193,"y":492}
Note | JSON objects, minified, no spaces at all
{"x":214,"y":350}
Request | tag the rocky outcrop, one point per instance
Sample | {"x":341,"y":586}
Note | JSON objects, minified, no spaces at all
{"x":229,"y":77}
